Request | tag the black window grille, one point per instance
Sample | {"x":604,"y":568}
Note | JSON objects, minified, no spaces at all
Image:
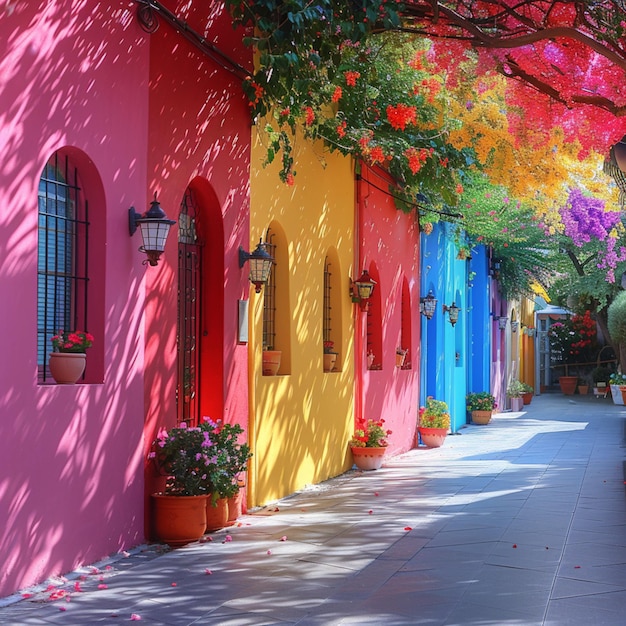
{"x":269,"y":299}
{"x":62,"y":267}
{"x":327,"y":325}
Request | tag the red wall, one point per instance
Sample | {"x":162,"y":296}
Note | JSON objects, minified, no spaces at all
{"x":389,"y":247}
{"x":199,"y":130}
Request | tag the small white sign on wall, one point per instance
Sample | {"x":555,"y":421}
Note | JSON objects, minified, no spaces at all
{"x":242,"y":336}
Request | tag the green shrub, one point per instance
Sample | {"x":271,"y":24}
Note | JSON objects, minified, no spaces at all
{"x":616,"y":318}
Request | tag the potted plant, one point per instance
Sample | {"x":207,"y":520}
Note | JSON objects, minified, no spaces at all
{"x":400,"y":356}
{"x":330,"y":356}
{"x":600,"y":377}
{"x":233,"y":457}
{"x":369,"y":443}
{"x":583,"y":386}
{"x":514,"y":393}
{"x":434,"y":423}
{"x":271,"y":361}
{"x":527,"y":394}
{"x":481,"y":405}
{"x":68,"y":359}
{"x":184,"y":456}
{"x":616,"y":381}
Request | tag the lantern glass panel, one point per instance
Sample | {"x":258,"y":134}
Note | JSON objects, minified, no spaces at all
{"x":154,"y":234}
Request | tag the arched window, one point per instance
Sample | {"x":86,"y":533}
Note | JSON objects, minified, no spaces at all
{"x":375,"y":324}
{"x":62,"y":259}
{"x":331,"y":313}
{"x":405,"y":325}
{"x":276,"y":304}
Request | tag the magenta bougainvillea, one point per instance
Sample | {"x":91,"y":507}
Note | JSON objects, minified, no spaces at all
{"x":585,"y":219}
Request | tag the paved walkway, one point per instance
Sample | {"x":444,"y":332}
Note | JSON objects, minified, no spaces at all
{"x":522,"y":521}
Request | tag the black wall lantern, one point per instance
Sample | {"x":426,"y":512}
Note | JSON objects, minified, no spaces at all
{"x":362,"y":289}
{"x":453,"y":313}
{"x":154,"y":227}
{"x":428,"y":305}
{"x":261,"y":262}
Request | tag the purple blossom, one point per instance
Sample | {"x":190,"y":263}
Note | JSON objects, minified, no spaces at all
{"x":584,"y":218}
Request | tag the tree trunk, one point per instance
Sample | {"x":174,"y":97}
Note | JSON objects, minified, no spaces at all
{"x":601,"y":319}
{"x":622,"y":356}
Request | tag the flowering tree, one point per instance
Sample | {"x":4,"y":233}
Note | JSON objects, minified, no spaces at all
{"x":572,"y":53}
{"x":429,"y":108}
{"x":574,"y":339}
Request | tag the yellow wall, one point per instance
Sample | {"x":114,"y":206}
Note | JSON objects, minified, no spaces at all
{"x":300,"y":422}
{"x":527,"y":372}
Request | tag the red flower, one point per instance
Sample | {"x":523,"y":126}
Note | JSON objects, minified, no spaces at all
{"x":377,"y":155}
{"x":310,"y":115}
{"x":351,"y":77}
{"x":337,"y":94}
{"x":401,"y":115}
{"x":416,"y":62}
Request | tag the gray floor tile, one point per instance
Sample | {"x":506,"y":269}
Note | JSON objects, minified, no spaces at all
{"x":522,"y":522}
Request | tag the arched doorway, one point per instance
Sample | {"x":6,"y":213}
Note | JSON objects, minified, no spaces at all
{"x":200,"y":318}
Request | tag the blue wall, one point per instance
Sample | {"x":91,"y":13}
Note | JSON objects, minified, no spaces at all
{"x":445,"y":347}
{"x":480,"y":336}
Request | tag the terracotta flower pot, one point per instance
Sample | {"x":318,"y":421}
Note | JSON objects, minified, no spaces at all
{"x":330,"y":358}
{"x":481,"y":417}
{"x":433,"y":437}
{"x":568,"y":384}
{"x":179,"y":519}
{"x":235,"y":507}
{"x":216,"y":514}
{"x":368,"y":458}
{"x":527,"y":397}
{"x":67,"y":367}
{"x":271,"y":362}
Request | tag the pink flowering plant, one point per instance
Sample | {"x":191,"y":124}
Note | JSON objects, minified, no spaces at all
{"x":187,"y":456}
{"x":370,"y":434}
{"x":74,"y":341}
{"x":201,"y":460}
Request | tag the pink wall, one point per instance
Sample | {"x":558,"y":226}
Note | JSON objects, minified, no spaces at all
{"x":72,"y":487}
{"x":70,"y":456}
{"x":389,"y":239}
